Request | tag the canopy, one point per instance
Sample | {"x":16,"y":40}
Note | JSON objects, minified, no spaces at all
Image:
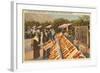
{"x":64,"y":25}
{"x":49,"y":26}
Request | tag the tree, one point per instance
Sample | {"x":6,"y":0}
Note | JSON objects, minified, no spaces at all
{"x":82,"y":21}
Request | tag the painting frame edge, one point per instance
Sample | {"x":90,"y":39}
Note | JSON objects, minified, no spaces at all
{"x":14,"y":29}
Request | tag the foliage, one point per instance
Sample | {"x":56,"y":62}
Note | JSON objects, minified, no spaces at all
{"x":82,"y":21}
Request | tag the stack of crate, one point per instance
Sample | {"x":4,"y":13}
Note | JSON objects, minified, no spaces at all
{"x":54,"y":53}
{"x":69,"y":51}
{"x":66,"y":48}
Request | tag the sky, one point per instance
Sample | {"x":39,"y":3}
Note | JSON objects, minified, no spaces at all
{"x":43,"y":16}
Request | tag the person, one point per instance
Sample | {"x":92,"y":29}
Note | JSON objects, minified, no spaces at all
{"x":49,"y":35}
{"x":36,"y":48}
{"x":45,"y":37}
{"x":33,"y":32}
{"x":39,"y":35}
{"x":52,"y":33}
{"x":76,"y":43}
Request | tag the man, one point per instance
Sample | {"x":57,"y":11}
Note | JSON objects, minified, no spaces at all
{"x":36,"y":47}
